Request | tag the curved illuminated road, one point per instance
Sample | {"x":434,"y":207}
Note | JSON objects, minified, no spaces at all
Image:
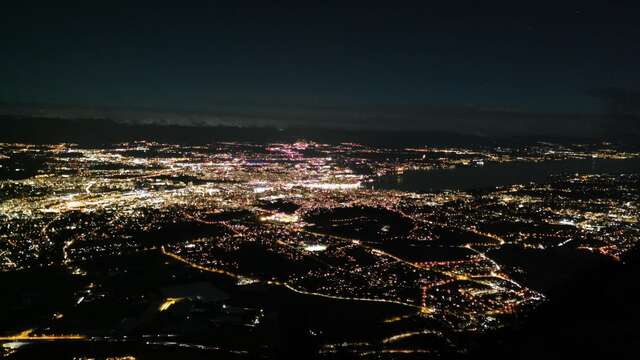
{"x":298,"y":291}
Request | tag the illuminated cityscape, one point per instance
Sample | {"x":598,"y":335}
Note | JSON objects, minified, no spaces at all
{"x":331,"y":180}
{"x":199,"y":247}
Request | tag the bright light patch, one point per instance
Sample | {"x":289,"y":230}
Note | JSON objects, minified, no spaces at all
{"x":13,"y":345}
{"x":169,"y":302}
{"x":315,"y":247}
{"x":281,"y":217}
{"x":333,"y":186}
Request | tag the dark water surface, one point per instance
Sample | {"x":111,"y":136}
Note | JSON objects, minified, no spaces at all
{"x":496,"y":174}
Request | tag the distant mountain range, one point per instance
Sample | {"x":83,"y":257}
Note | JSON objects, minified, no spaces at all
{"x":461,"y":119}
{"x":30,"y":129}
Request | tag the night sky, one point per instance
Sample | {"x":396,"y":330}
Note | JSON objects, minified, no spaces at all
{"x":545,"y":66}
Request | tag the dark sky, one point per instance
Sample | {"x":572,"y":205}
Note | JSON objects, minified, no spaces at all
{"x":293,"y":60}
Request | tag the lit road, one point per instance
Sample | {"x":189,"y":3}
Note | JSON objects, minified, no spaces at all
{"x":26,"y":335}
{"x":298,"y":291}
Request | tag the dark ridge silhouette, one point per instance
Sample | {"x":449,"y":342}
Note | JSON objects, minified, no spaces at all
{"x":594,"y":315}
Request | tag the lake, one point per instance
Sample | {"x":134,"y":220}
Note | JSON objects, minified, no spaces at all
{"x":500,"y":174}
